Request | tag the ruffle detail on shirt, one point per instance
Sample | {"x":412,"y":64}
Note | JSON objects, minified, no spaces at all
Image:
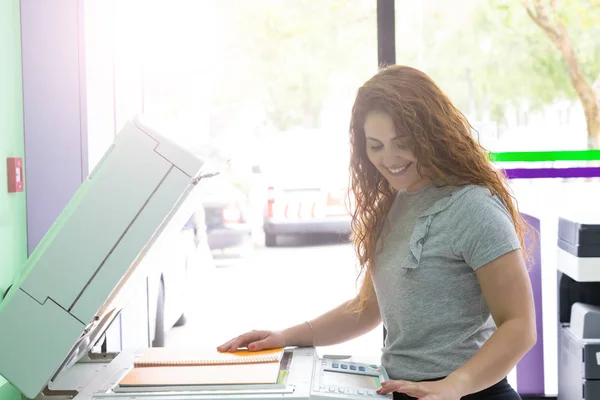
{"x":418,"y":238}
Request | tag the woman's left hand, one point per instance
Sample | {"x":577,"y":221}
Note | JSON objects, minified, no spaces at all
{"x":436,"y":390}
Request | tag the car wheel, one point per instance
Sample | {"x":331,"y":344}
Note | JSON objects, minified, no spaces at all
{"x":159,"y":328}
{"x":181,"y":321}
{"x":270,"y":240}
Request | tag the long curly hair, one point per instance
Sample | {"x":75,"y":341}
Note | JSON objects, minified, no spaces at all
{"x":440,"y":137}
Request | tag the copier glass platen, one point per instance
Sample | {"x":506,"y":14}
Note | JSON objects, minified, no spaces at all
{"x":90,"y":263}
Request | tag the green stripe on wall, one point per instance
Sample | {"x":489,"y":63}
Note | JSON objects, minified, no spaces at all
{"x":535,"y":156}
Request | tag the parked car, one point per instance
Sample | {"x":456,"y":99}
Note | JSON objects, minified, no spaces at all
{"x":306,"y":189}
{"x":304,"y":210}
{"x":168,"y":285}
{"x":225,"y":214}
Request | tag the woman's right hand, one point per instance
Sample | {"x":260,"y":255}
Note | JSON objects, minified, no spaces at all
{"x":255,"y":340}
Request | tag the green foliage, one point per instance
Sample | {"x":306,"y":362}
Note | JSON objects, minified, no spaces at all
{"x":498,"y":56}
{"x":286,"y":56}
{"x":287,"y":53}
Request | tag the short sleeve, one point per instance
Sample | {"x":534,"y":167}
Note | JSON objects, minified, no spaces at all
{"x":484,"y":228}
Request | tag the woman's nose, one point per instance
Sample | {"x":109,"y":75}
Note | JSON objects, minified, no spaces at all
{"x":391,"y":159}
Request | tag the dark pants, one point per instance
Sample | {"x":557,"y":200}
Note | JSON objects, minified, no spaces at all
{"x":500,"y":391}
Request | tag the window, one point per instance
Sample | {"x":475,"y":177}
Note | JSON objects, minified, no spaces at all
{"x":242,"y":79}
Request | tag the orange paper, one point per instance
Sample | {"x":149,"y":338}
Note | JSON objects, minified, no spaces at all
{"x":232,"y":374}
{"x":166,"y":356}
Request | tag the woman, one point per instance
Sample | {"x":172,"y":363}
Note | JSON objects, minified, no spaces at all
{"x":440,"y":242}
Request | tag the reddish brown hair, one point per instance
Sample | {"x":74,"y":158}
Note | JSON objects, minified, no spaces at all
{"x":442,"y":141}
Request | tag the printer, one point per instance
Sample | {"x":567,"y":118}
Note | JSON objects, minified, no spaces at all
{"x":578,"y":263}
{"x":89,"y":264}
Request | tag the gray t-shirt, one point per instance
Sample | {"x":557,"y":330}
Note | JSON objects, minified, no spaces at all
{"x":424,"y":277}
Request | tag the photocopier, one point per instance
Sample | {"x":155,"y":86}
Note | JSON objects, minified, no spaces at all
{"x":88,"y":265}
{"x":578,"y":263}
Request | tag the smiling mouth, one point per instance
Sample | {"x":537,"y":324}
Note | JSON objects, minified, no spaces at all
{"x":397,"y":171}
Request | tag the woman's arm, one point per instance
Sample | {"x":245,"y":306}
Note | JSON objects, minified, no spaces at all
{"x":336,"y":326}
{"x":507,"y":291}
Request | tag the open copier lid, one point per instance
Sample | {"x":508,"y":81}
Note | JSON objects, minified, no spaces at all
{"x":82,"y":273}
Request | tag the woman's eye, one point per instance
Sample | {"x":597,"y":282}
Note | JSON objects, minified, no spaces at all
{"x":376,"y":148}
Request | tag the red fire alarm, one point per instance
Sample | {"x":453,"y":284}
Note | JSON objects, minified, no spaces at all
{"x":14,"y":167}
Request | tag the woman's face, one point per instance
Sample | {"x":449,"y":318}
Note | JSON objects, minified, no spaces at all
{"x":390,"y":153}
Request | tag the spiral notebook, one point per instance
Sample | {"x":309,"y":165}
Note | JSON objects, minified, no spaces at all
{"x":165,"y":356}
{"x":177,"y":367}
